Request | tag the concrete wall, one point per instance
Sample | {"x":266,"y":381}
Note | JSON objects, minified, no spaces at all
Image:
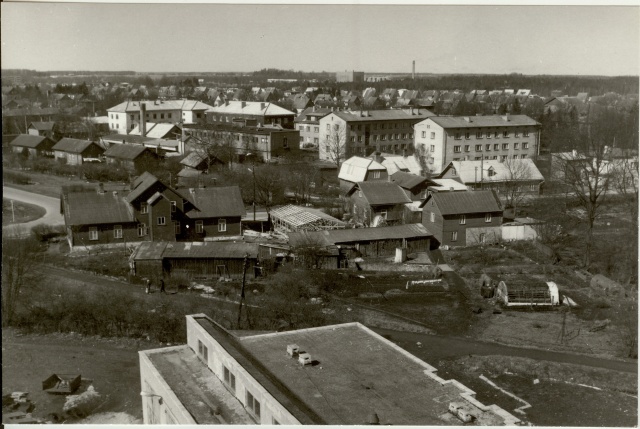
{"x":218,"y":358}
{"x":513,"y":232}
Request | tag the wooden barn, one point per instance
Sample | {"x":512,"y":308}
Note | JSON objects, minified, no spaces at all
{"x":196,"y":260}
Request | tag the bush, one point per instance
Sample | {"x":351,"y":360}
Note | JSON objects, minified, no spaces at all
{"x":104,"y":173}
{"x":17,"y":178}
{"x":44,"y":233}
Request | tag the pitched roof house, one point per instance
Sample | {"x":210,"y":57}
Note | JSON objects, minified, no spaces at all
{"x":357,"y":169}
{"x":34,"y":145}
{"x":463,"y":218}
{"x":377,"y":203}
{"x":131,"y":157}
{"x":76,"y":151}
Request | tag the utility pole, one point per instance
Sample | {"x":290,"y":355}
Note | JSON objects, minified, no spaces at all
{"x":13,"y":213}
{"x":244,"y":278}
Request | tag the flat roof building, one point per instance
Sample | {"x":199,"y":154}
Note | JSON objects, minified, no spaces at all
{"x":339,"y":374}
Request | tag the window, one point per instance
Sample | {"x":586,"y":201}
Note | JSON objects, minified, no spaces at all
{"x":523,"y":156}
{"x":424,"y":134}
{"x":162,"y":116}
{"x":144,"y":208}
{"x":457,"y":136}
{"x":132,"y":116}
{"x":505,"y":146}
{"x":433,"y":216}
{"x":454,"y":172}
{"x":117,"y":231}
{"x":487,"y":217}
{"x":383,"y":137}
{"x":142,"y":230}
{"x":301,"y":127}
{"x":433,"y":148}
{"x":155,"y":116}
{"x":376,"y":174}
{"x":93,"y":233}
{"x":308,"y":128}
{"x":203,"y":351}
{"x":301,"y":139}
{"x":487,"y":147}
{"x":328,"y":127}
{"x":315,"y":140}
{"x":467,"y":135}
{"x":454,"y":236}
{"x":433,"y":136}
{"x":467,"y":148}
{"x":488,"y":134}
{"x":496,"y":146}
{"x":162,"y":220}
{"x":222,"y":225}
{"x":525,"y":133}
{"x":477,"y":158}
{"x":229,"y":378}
{"x":199,"y":227}
{"x":479,"y":134}
{"x":516,"y":133}
{"x":516,"y":146}
{"x":316,"y":129}
{"x":478,"y":148}
{"x":525,"y":145}
{"x":177,"y":228}
{"x":503,"y":158}
{"x":496,"y":134}
{"x":173,"y":206}
{"x":253,"y":405}
{"x":505,"y":134}
{"x":456,"y":149}
{"x":463,"y":219}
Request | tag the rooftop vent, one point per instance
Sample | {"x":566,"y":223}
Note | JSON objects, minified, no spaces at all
{"x":468,"y":119}
{"x":292,"y":350}
{"x":304,"y":359}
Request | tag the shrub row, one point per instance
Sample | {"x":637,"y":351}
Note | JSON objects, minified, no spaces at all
{"x":17,"y":178}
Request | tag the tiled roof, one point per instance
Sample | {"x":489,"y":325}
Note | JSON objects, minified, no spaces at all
{"x":156,"y":106}
{"x":383,"y":193}
{"x":223,"y":201}
{"x":92,"y":208}
{"x":251,"y":108}
{"x":407,"y":180}
{"x":27,"y":140}
{"x":73,"y":145}
{"x":465,"y":202}
{"x":511,"y":169}
{"x":383,"y":115}
{"x":42,"y":126}
{"x":482,"y":121}
{"x":355,"y":168}
{"x":125,"y":151}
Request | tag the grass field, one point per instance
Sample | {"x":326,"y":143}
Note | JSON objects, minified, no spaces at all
{"x":23,"y":212}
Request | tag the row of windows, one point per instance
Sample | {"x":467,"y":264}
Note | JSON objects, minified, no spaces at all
{"x":382,"y":137}
{"x":481,"y":134}
{"x":487,"y":147}
{"x":463,"y":218}
{"x":251,"y":403}
{"x":315,"y":140}
{"x":501,"y":157}
{"x":143,"y":230}
{"x":308,"y":128}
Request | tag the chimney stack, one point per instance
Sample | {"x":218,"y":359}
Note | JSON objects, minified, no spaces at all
{"x":413,"y":70}
{"x":143,"y":120}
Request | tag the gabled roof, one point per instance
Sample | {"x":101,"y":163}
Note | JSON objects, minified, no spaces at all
{"x":223,"y":201}
{"x":92,"y":208}
{"x":251,"y":108}
{"x":141,"y":184}
{"x":42,"y":126}
{"x":496,"y":171}
{"x":482,"y":121}
{"x":157,"y":130}
{"x":125,"y":151}
{"x":355,"y":169}
{"x":395,"y":163}
{"x":465,"y":202}
{"x":446,"y":185}
{"x":27,"y":140}
{"x":407,"y":180}
{"x":193,"y":160}
{"x":382,"y":193}
{"x":73,"y":145}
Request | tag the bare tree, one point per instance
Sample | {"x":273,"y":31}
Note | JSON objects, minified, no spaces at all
{"x":215,"y":147}
{"x":17,"y":273}
{"x":310,"y":250}
{"x":269,"y":185}
{"x":302,"y":181}
{"x":422,"y":155}
{"x":518,"y":177}
{"x":335,"y":144}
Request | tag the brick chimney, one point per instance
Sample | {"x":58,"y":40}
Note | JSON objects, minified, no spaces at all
{"x":377,"y":157}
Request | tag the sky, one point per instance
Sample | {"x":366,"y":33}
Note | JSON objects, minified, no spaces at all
{"x":585,"y":40}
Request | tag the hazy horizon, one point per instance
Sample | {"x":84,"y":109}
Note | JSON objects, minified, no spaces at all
{"x":377,"y":39}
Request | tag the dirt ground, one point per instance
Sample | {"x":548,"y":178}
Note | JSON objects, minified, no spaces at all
{"x":111,"y":366}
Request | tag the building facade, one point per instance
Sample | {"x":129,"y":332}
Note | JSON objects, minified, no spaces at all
{"x":466,"y":138}
{"x":250,"y":113}
{"x":350,"y":76}
{"x":308,"y":124}
{"x":125,"y":117}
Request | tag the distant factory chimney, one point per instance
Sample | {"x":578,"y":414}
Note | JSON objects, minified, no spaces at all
{"x":413,"y":70}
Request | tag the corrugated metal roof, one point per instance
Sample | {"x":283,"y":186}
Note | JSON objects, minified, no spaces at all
{"x":92,"y":208}
{"x":465,"y":202}
{"x":150,"y":251}
{"x":73,"y":145}
{"x":353,"y":235}
{"x":355,"y":169}
{"x":383,"y":193}
{"x":27,"y":140}
{"x":223,"y":201}
{"x":125,"y":151}
{"x":482,"y":121}
{"x":497,"y":171}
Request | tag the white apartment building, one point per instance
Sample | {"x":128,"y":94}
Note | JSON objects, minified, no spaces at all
{"x":124,"y":117}
{"x":463,"y":138}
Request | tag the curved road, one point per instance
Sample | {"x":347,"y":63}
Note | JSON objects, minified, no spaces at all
{"x":50,"y":204}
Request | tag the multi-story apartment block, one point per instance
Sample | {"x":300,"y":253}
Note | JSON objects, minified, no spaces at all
{"x":443,"y":139}
{"x":350,"y":76}
{"x":361,"y":133}
{"x":126,"y":116}
{"x":308,"y":123}
{"x":265,"y":142}
{"x":252,"y":113}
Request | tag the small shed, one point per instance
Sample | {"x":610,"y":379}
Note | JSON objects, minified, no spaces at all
{"x":527,"y":292}
{"x":76,"y":152}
